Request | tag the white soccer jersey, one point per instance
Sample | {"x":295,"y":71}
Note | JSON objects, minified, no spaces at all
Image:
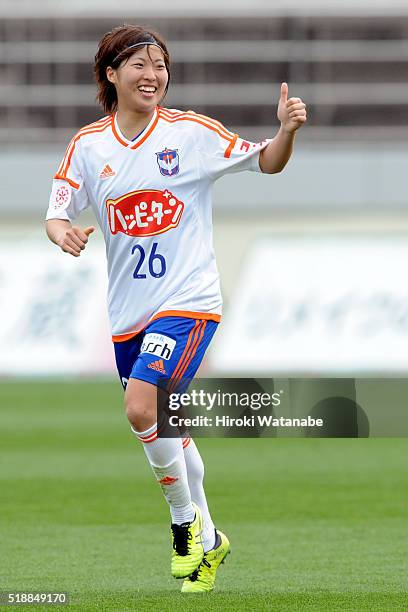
{"x":152,"y":200}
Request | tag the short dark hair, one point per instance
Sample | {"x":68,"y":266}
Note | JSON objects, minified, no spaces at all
{"x":113,"y":48}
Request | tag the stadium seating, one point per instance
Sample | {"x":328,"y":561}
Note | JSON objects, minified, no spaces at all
{"x":350,"y":69}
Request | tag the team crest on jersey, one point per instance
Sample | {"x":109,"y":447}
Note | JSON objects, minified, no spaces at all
{"x":169,"y":163}
{"x":145,"y":212}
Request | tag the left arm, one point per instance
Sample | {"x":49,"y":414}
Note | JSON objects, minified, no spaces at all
{"x":292,"y":115}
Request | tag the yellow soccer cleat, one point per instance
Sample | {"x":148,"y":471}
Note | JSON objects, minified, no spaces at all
{"x":188,"y":548}
{"x":203,"y":579}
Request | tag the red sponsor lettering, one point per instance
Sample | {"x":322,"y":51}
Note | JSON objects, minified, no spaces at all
{"x":146,"y":212}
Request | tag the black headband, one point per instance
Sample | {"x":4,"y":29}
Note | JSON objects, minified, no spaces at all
{"x":152,"y":41}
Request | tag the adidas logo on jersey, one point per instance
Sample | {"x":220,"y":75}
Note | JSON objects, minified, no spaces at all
{"x":158,"y":366}
{"x":107,"y":172}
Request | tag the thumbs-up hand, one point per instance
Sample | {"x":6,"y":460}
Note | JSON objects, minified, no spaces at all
{"x":89,"y":230}
{"x":73,"y":239}
{"x":291,"y":112}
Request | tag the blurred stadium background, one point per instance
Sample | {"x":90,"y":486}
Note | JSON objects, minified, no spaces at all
{"x":332,"y":228}
{"x":312,"y":264}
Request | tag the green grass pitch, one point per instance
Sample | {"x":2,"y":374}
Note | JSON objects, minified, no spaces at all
{"x":314,"y":524}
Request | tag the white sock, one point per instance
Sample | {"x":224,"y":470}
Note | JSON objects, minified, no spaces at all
{"x":166,"y":458}
{"x":195,"y":474}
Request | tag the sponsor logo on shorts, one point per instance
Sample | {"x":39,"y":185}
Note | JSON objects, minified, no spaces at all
{"x":157,"y":344}
{"x":158,"y":366}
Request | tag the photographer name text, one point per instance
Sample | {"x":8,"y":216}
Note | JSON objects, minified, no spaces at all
{"x":244,"y":421}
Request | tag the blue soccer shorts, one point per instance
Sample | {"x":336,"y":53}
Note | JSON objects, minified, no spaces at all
{"x":168,"y":348}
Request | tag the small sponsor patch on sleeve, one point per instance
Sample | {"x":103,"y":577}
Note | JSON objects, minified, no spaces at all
{"x":60,"y":196}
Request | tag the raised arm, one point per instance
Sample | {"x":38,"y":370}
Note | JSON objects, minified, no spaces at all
{"x":292,"y":115}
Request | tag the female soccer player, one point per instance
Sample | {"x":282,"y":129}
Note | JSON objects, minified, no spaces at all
{"x":147,"y":172}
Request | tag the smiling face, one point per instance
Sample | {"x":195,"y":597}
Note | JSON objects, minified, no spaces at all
{"x":140,"y":80}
